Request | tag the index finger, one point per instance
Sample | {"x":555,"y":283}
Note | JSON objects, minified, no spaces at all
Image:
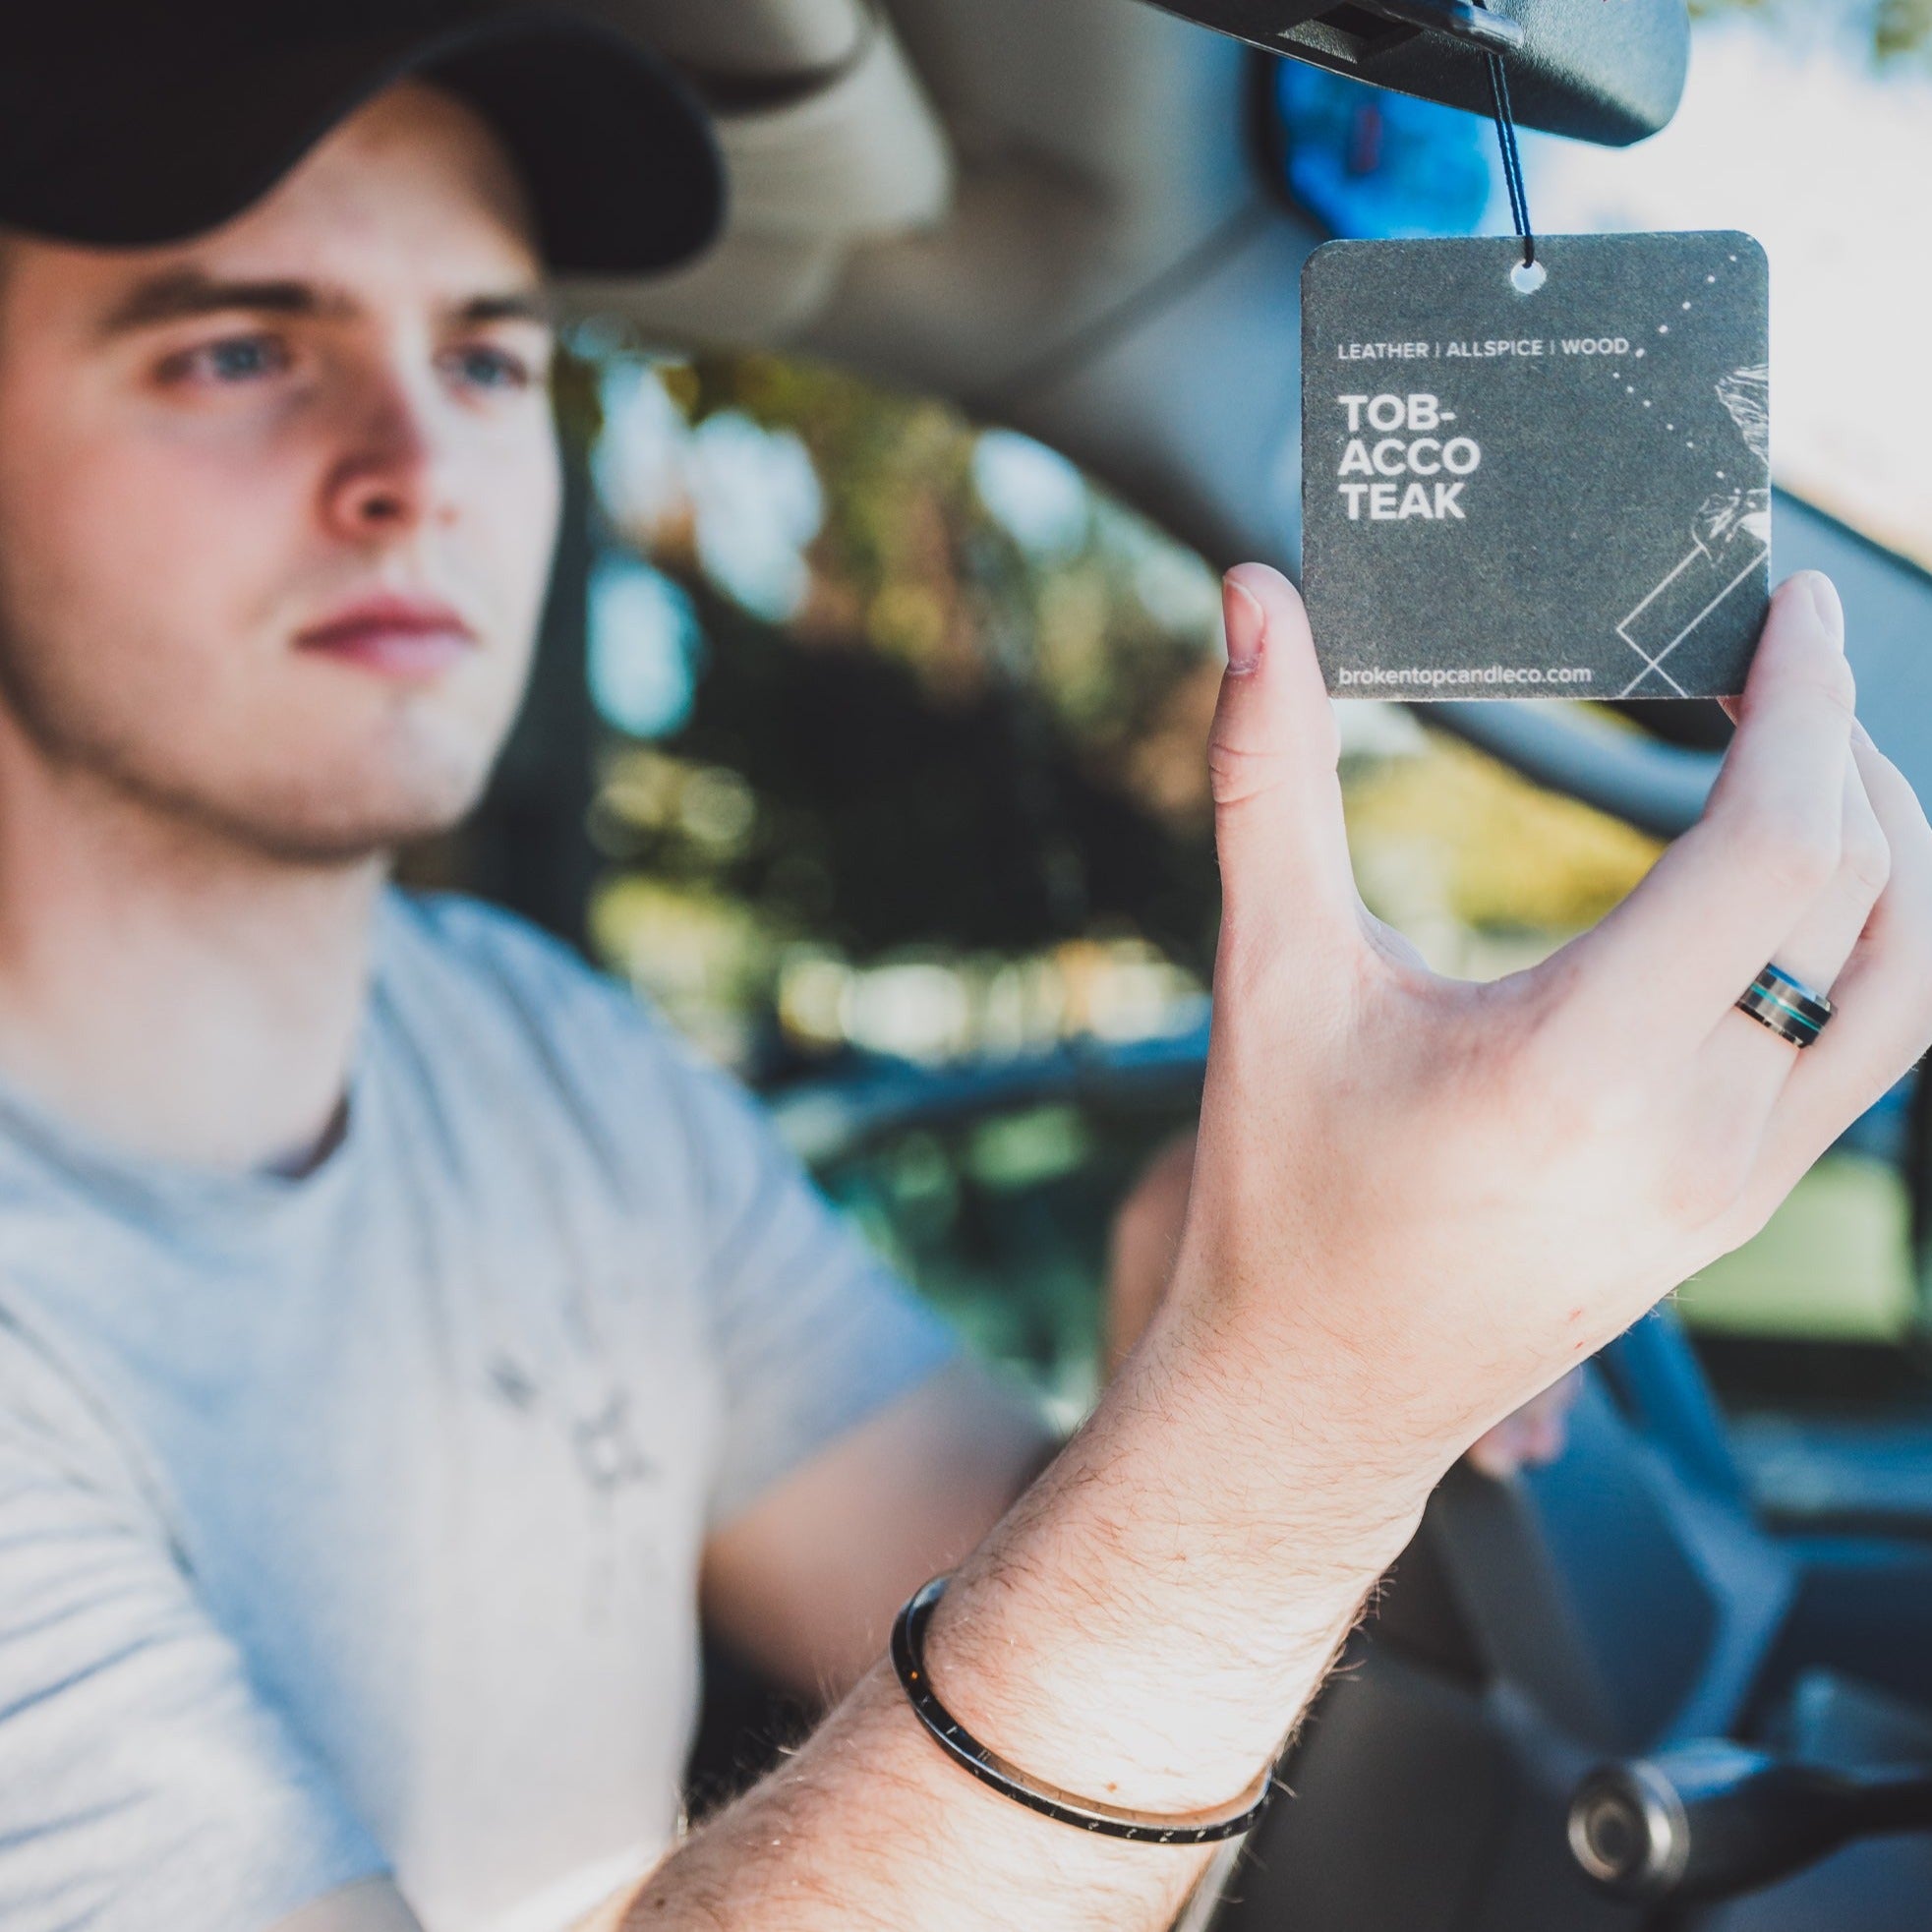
{"x":1718,"y":903}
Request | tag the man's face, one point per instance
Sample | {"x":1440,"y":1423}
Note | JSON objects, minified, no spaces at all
{"x":277,"y":505}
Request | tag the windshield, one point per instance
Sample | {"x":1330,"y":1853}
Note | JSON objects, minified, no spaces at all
{"x":1792,"y":130}
{"x":1796,"y":127}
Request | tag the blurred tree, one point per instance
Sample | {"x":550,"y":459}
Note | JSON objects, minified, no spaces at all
{"x":967,"y":734}
{"x":886,"y":819}
{"x":1897,"y":27}
{"x":964,"y":714}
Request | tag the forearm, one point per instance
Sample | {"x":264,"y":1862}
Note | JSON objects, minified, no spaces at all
{"x":1416,"y":1204}
{"x":869,"y":1827}
{"x":1143,"y":1630}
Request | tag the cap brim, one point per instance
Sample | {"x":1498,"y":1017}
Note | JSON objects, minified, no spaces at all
{"x":618,"y":157}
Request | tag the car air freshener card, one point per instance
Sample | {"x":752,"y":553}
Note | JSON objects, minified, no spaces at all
{"x":1558,"y":491}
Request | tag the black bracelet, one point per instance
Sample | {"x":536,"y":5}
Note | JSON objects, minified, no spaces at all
{"x":908,"y":1632}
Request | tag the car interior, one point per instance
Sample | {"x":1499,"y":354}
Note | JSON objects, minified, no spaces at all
{"x":1073,"y":221}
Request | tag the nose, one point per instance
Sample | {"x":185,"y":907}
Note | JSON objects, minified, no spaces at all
{"x":389,"y":473}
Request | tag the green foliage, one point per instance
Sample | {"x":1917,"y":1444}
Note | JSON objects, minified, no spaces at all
{"x":969,"y":744}
{"x":1902,"y":27}
{"x":1898,"y":28}
{"x":954,"y":742}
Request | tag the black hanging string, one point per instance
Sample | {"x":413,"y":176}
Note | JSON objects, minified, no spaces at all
{"x":1512,"y":158}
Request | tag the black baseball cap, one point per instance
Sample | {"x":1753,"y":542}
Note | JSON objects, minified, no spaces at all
{"x":135,"y":122}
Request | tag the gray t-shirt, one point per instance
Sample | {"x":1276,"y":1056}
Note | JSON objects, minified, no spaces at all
{"x":350,"y":1523}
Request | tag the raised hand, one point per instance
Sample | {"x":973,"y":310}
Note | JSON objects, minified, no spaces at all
{"x":1415,"y":1204}
{"x":1447,"y":1194}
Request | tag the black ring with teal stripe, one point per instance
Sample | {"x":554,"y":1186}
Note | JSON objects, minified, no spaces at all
{"x":1792,"y":1009}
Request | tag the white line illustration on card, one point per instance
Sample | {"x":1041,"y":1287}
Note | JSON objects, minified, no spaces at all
{"x":1730,"y":536}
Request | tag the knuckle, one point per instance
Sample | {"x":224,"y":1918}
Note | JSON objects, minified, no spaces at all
{"x":1696,"y":1194}
{"x":1600,"y":1115}
{"x":1741,"y":1218}
{"x":1791,"y":848}
{"x":1687,"y":1196}
{"x":1824,"y":679}
{"x":1867,"y":855}
{"x":1838,"y":685}
{"x":1247,"y":963}
{"x":1237,"y":772}
{"x":1571,"y":1103}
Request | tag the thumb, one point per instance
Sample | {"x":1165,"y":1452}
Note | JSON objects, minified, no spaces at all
{"x":1271,"y":757}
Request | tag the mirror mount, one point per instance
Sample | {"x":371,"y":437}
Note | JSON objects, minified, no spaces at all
{"x":1612,"y":74}
{"x":1493,"y":32}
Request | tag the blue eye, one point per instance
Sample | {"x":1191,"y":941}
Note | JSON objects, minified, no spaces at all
{"x":492,"y":368}
{"x":240,"y":358}
{"x":233,"y":360}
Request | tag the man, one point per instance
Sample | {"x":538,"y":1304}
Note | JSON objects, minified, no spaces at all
{"x":395,"y":1320}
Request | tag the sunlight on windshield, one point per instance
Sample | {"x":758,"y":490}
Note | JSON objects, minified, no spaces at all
{"x":1789,"y":131}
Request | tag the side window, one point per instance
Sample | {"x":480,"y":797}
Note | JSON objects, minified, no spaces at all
{"x":900,"y":808}
{"x":893,"y":712}
{"x":884,"y":776}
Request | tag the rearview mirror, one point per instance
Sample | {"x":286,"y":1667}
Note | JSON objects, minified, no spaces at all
{"x":1610,"y":72}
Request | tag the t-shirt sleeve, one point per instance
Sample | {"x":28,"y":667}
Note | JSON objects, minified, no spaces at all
{"x":811,"y":1331}
{"x":145,"y":1783}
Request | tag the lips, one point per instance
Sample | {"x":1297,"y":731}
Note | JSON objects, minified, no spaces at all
{"x":390,"y":635}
